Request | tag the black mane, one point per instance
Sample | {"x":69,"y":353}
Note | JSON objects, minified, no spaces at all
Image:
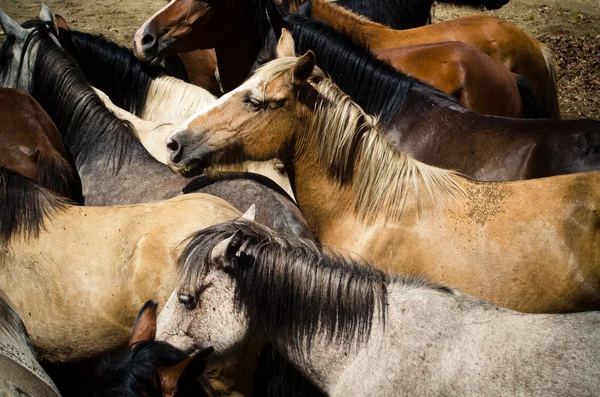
{"x":397,"y":14}
{"x":288,"y":281}
{"x":136,"y":374}
{"x":256,"y":14}
{"x":112,"y":69}
{"x":89,"y":129}
{"x":24,"y":206}
{"x":376,"y":86}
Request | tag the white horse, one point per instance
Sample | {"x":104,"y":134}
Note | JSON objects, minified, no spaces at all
{"x":355,"y":331}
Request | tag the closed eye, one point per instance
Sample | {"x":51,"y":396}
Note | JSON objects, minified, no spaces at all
{"x":254,"y":103}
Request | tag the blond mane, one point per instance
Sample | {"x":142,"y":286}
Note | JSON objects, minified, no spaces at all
{"x":356,"y":153}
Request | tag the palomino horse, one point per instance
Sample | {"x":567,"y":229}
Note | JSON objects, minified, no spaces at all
{"x":158,"y":100}
{"x":433,"y":128}
{"x":31,"y":145}
{"x":152,"y":368}
{"x":361,"y":195}
{"x":114,"y":167}
{"x":355,"y":331}
{"x":501,"y":40}
{"x":499,"y":96}
{"x":153,"y":135}
{"x":20,"y":372}
{"x":91,"y":268}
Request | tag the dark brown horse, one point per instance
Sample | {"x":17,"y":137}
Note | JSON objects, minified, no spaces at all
{"x":31,"y":144}
{"x":455,"y":68}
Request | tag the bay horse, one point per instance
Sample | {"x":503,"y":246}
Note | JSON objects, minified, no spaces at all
{"x":91,"y":268}
{"x":31,"y":145}
{"x":462,"y":68}
{"x":435,"y":129}
{"x":152,"y":368}
{"x":114,"y":167}
{"x":497,"y":38}
{"x":357,"y":331}
{"x":20,"y":372}
{"x":366,"y":198}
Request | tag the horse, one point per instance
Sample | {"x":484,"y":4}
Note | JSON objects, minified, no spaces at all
{"x":153,"y":368}
{"x":354,"y":330}
{"x":468,"y":75}
{"x":114,"y":167}
{"x":32,"y":146}
{"x":497,"y":38}
{"x":499,"y":96}
{"x":20,"y":372}
{"x":91,"y":268}
{"x":158,"y":100}
{"x":364,"y":197}
{"x":435,"y":129}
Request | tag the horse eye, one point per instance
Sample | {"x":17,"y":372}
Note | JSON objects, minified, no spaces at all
{"x":252,"y":102}
{"x":188,"y":301}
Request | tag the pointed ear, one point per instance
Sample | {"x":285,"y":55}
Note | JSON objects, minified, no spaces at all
{"x":177,"y":377}
{"x":304,"y":67}
{"x":250,"y":213}
{"x":46,"y":15}
{"x":144,"y":328}
{"x":11,"y":27}
{"x":61,"y":23}
{"x":224,"y":252}
{"x":285,"y":46}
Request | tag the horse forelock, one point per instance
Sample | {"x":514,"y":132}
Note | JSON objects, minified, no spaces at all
{"x":24,"y":206}
{"x":89,"y":129}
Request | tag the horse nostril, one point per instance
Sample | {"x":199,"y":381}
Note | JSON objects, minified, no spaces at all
{"x":147,"y":39}
{"x":172,"y":145}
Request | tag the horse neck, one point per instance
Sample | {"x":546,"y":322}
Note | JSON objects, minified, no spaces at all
{"x":172,"y":100}
{"x":360,"y":29}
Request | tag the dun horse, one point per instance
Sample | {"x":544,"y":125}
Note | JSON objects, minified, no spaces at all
{"x":31,"y":145}
{"x":354,"y":331}
{"x":363,"y":196}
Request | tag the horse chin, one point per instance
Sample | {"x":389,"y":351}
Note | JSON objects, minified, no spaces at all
{"x":190,"y":170}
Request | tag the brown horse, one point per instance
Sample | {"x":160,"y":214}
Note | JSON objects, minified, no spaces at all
{"x":462,"y":69}
{"x":501,"y":40}
{"x":531,"y":245}
{"x":32,"y":145}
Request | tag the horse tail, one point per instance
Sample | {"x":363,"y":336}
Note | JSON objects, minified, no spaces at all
{"x":550,"y":100}
{"x":56,"y":174}
{"x":530,"y":104}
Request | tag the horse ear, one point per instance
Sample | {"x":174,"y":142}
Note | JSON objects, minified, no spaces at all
{"x":223,"y":252}
{"x":61,"y":23}
{"x":144,"y":328}
{"x":285,"y":46}
{"x":304,"y":67}
{"x":305,"y":9}
{"x":46,"y":15}
{"x":250,"y":213}
{"x":11,"y":27}
{"x":276,"y":19}
{"x":177,"y":377}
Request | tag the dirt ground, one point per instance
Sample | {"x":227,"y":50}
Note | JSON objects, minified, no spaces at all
{"x":573,"y":36}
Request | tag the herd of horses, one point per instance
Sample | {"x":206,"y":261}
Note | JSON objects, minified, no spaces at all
{"x":273,"y":198}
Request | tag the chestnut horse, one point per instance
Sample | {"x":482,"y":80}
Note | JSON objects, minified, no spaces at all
{"x":31,"y":145}
{"x":500,"y":39}
{"x":162,"y":34}
{"x":436,"y":130}
{"x":531,"y":246}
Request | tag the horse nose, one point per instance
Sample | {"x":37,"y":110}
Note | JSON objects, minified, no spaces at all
{"x":175,"y":150}
{"x":149,"y":42}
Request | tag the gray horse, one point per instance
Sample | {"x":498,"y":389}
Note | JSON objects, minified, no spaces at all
{"x":20,"y":373}
{"x":357,"y":331}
